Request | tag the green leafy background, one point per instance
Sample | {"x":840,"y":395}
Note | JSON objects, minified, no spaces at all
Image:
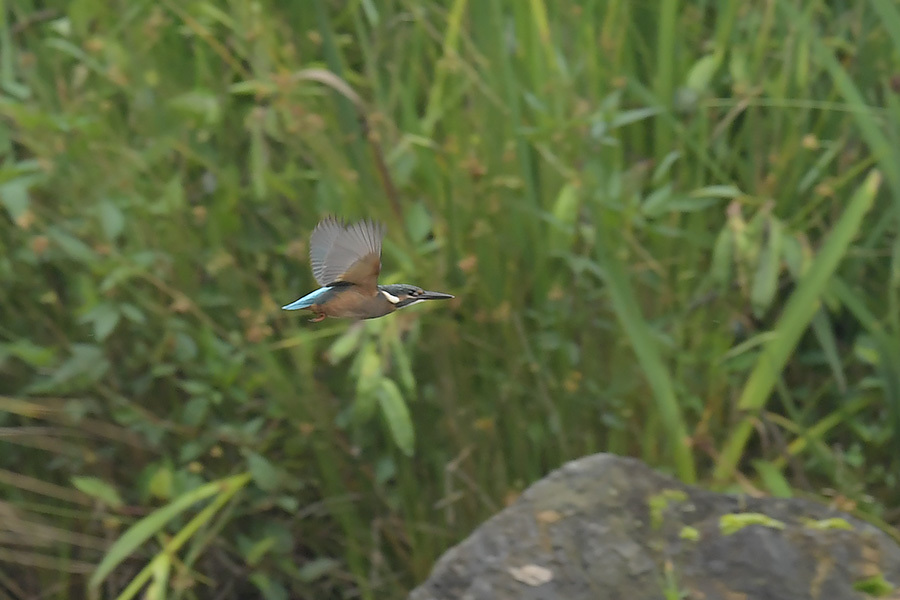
{"x":671,"y":230}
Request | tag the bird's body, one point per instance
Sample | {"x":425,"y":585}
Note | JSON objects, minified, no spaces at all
{"x":342,"y":300}
{"x":346,"y":261}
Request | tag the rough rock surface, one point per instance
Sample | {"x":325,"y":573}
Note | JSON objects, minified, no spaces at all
{"x":608,"y":527}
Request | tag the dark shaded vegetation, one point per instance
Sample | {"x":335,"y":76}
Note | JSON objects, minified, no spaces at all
{"x":671,"y":230}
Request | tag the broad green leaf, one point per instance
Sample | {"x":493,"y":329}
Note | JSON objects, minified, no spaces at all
{"x":722,"y":257}
{"x":254,"y":87}
{"x":345,"y":345}
{"x":655,"y":204}
{"x":120,"y":275}
{"x":29,"y":353}
{"x":688,"y":204}
{"x":822,"y":328}
{"x":202,"y":104}
{"x":14,"y":196}
{"x":71,"y":246}
{"x":796,"y":256}
{"x":111,"y":219}
{"x":701,"y":73}
{"x":85,"y":365}
{"x":172,"y":199}
{"x":259,"y":549}
{"x":773,"y":479}
{"x":717,"y":191}
{"x":316,"y":569}
{"x":369,"y":371}
{"x":396,"y":413}
{"x":99,"y":489}
{"x":196,"y":411}
{"x":106,"y":322}
{"x":663,"y":171}
{"x":269,"y":588}
{"x":403,"y":365}
{"x":565,"y":213}
{"x":132,"y":313}
{"x":160,"y":484}
{"x":385,"y":469}
{"x":765,"y":282}
{"x":418,"y":222}
{"x":265,"y":475}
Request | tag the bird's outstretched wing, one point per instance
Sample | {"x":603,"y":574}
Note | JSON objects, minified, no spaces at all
{"x":346,"y":253}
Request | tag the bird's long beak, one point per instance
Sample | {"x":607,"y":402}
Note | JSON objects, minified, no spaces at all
{"x":426,"y":295}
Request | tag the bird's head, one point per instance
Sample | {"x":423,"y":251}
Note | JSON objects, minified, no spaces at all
{"x":404,"y":294}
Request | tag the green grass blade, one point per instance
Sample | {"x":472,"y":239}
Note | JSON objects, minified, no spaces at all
{"x":436,"y":95}
{"x":798,"y":313}
{"x":153,"y":523}
{"x":626,"y":307}
{"x":666,"y":67}
{"x":159,"y":565}
{"x":871,"y":125}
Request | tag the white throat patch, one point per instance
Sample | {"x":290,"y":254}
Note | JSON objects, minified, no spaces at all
{"x":390,"y":297}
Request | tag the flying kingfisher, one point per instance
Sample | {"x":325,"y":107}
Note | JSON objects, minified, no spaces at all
{"x":346,"y":260}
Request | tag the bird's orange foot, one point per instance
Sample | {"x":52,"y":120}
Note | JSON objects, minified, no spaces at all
{"x":319,"y":317}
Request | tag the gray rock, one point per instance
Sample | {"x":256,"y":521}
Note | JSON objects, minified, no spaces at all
{"x":608,"y":527}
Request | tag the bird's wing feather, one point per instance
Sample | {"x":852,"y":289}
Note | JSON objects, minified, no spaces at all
{"x":320,"y":242}
{"x":350,"y":254}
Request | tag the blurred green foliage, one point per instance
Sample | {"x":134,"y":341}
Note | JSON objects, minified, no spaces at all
{"x":665,"y":224}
